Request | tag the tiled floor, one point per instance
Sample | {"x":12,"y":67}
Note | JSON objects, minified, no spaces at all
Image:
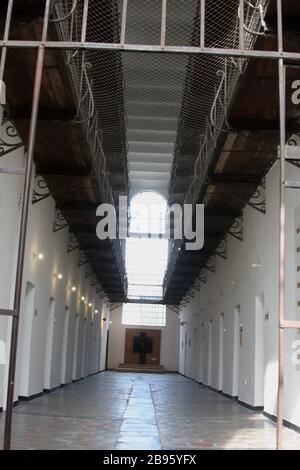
{"x":140,"y":411}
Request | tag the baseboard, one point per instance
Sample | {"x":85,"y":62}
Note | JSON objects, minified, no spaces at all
{"x":258,"y":409}
{"x":53,"y":389}
{"x":30,"y":397}
{"x":286,"y":423}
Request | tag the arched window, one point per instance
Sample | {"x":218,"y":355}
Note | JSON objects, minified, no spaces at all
{"x":146,"y":259}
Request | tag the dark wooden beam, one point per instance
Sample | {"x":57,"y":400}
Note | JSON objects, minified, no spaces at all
{"x":45,"y":114}
{"x":78,"y":206}
{"x":65,"y":172}
{"x":234,"y":179}
{"x":263,"y":125}
{"x":222,"y":212}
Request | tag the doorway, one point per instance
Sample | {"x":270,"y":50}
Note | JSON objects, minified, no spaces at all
{"x":142,"y":345}
{"x":75,"y":355}
{"x":221,"y":351}
{"x":49,"y":344}
{"x":259,"y":350}
{"x":210,"y":352}
{"x":65,"y":345}
{"x":236,"y":351}
{"x":25,"y":349}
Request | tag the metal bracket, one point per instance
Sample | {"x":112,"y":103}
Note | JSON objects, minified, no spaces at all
{"x":59,"y":221}
{"x":221,"y":249}
{"x":7,"y":147}
{"x":82,"y":260}
{"x":236,"y":230}
{"x":211,"y":264}
{"x":73,"y":243}
{"x":41,"y":190}
{"x":258,"y":200}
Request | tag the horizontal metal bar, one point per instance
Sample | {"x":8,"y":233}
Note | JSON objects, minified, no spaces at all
{"x":13,"y":171}
{"x":259,"y":54}
{"x":9,"y":313}
{"x":292,"y":184}
{"x":291,"y":324}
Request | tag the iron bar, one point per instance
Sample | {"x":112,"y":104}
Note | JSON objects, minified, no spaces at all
{"x":12,"y":171}
{"x":282,"y":111}
{"x":84,"y":20}
{"x":8,"y":312}
{"x":123,"y":25}
{"x":6,"y":35}
{"x":163,"y":24}
{"x":202,"y":24}
{"x":23,"y":233}
{"x":188,"y":50}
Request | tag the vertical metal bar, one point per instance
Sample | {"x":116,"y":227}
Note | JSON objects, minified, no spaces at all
{"x":23,"y":233}
{"x":123,"y":25}
{"x":241,"y":25}
{"x":84,"y":21}
{"x":163,"y":24}
{"x":6,"y":37}
{"x":282,"y":112}
{"x":202,"y":24}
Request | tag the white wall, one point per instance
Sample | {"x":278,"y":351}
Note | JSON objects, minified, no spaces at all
{"x":258,"y":353}
{"x":40,"y":276}
{"x":169,"y":340}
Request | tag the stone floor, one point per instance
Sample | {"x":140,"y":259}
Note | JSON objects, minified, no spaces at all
{"x":140,"y":411}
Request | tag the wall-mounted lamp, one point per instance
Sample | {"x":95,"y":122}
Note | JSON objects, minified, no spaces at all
{"x":233,"y":283}
{"x":83,"y":298}
{"x":256,"y":265}
{"x":58,"y":276}
{"x":39,"y":256}
{"x":73,"y":288}
{"x":96,"y":311}
{"x":90,"y":304}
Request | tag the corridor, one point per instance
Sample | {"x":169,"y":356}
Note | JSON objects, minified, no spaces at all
{"x":121,"y":411}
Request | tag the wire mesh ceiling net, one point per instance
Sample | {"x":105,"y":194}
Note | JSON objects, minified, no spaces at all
{"x":156,"y":108}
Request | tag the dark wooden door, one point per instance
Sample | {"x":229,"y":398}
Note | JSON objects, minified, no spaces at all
{"x":132,"y":357}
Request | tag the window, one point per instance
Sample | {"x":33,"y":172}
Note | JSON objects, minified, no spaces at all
{"x":144,"y":314}
{"x":146,"y":259}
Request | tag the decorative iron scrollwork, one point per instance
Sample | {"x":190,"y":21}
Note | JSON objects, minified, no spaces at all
{"x":82,"y":259}
{"x":41,"y":190}
{"x":10,"y":132}
{"x":236,"y":230}
{"x":73,"y":243}
{"x":221,"y":249}
{"x":294,"y":141}
{"x":258,"y":199}
{"x":59,"y":221}
{"x":211,"y":264}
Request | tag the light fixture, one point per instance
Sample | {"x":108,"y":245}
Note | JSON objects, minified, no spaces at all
{"x":110,"y":322}
{"x":58,"y":276}
{"x":256,"y":265}
{"x":39,"y":256}
{"x":234,"y":283}
{"x":90,"y":304}
{"x":73,"y":288}
{"x":96,"y":311}
{"x":83,"y":298}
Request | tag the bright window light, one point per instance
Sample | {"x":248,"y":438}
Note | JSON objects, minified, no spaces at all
{"x":144,"y":315}
{"x":146,"y":259}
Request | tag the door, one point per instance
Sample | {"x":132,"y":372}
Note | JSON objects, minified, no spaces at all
{"x":65,"y":345}
{"x":147,"y":340}
{"x":210,"y":352}
{"x":221,"y":351}
{"x":236,"y":351}
{"x":49,"y":344}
